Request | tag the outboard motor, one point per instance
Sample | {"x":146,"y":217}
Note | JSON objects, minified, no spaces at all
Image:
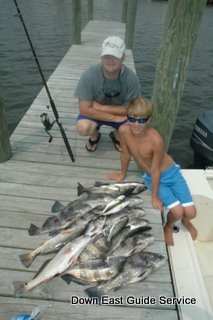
{"x":202,"y":141}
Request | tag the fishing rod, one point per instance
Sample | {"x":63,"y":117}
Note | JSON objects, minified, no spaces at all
{"x":44,"y":116}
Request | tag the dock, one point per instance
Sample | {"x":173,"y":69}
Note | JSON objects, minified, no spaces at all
{"x":40,"y":173}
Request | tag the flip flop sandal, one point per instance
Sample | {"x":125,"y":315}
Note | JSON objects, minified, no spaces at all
{"x":115,"y":141}
{"x":92,"y":143}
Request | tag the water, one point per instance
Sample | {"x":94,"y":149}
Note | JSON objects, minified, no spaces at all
{"x":49,"y":25}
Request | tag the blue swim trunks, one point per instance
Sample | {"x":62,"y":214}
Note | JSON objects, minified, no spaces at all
{"x":173,"y":189}
{"x":100,"y":123}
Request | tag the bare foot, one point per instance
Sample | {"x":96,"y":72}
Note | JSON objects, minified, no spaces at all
{"x":189,"y":226}
{"x":168,"y":235}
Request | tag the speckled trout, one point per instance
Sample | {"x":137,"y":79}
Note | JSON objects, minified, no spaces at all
{"x":64,"y":259}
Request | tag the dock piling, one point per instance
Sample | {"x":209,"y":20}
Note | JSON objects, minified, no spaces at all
{"x":90,"y":9}
{"x":130,"y":22}
{"x":76,"y":22}
{"x":180,"y":31}
{"x":124,"y":11}
{"x":5,"y":149}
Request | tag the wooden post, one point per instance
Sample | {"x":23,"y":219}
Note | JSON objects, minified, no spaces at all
{"x":130,"y":22}
{"x":5,"y":149}
{"x":90,"y":9}
{"x":76,"y":21}
{"x":180,"y":31}
{"x":124,"y":11}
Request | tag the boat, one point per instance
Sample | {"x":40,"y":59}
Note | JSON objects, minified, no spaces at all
{"x":202,"y":140}
{"x":191,"y":262}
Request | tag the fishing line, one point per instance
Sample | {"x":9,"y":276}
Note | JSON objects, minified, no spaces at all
{"x":44,"y":116}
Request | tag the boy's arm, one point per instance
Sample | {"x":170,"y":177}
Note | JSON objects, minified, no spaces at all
{"x":125,"y":158}
{"x":158,"y":152}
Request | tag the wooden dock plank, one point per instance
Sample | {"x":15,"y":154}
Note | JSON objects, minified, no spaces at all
{"x":12,"y":306}
{"x":40,"y":173}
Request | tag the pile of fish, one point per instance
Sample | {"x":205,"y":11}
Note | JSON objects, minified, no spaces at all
{"x":99,"y":240}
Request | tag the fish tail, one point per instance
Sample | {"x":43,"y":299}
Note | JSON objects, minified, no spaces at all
{"x":33,"y":230}
{"x":19,"y":288}
{"x":94,"y":292}
{"x":27,"y":259}
{"x":81,"y":189}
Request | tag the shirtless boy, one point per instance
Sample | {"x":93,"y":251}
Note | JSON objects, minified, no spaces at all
{"x":162,"y":175}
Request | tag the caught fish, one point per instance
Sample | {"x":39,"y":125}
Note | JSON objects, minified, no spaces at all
{"x":138,"y":187}
{"x":65,"y":258}
{"x":132,"y":245}
{"x":133,"y":215}
{"x":55,"y":243}
{"x":135,"y":202}
{"x":134,"y":224}
{"x":137,"y":225}
{"x":96,"y":225}
{"x":136,"y":268}
{"x":71,"y":213}
{"x":117,"y":208}
{"x":129,"y":203}
{"x":111,"y":189}
{"x":117,"y":226}
{"x":97,"y":249}
{"x":94,"y":271}
{"x":114,"y":203}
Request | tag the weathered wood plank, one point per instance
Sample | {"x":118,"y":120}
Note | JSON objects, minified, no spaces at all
{"x":19,"y":238}
{"x":12,"y":306}
{"x":57,"y":289}
{"x":9,"y":259}
{"x":65,"y":160}
{"x":85,"y":176}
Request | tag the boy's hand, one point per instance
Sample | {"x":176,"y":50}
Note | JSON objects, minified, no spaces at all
{"x":116,"y":176}
{"x":157,"y":203}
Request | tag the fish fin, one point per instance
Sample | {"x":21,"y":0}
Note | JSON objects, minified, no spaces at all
{"x":57,"y":207}
{"x":101,"y":183}
{"x":54,"y":233}
{"x":33,"y":230}
{"x":137,"y":230}
{"x":129,"y":192}
{"x":143,"y":275}
{"x":94,"y":292}
{"x":81,"y":189}
{"x":116,"y":288}
{"x":67,"y":278}
{"x":27,"y":259}
{"x":80,"y":282}
{"x":19,"y":288}
{"x":145,"y":228}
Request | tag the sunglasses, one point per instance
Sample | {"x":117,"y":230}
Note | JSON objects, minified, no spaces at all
{"x":140,"y":120}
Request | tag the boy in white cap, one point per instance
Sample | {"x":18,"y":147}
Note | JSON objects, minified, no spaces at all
{"x":104,"y":91}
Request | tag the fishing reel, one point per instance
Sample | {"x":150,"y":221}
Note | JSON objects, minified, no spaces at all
{"x":47,"y":124}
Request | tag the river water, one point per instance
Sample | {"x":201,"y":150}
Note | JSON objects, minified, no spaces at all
{"x":49,"y":26}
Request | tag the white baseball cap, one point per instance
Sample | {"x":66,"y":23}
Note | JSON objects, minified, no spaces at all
{"x":113,"y":46}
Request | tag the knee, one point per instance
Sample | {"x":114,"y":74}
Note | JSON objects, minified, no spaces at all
{"x":81,"y":129}
{"x":190,"y":212}
{"x":84,"y":128}
{"x":177,"y":212}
